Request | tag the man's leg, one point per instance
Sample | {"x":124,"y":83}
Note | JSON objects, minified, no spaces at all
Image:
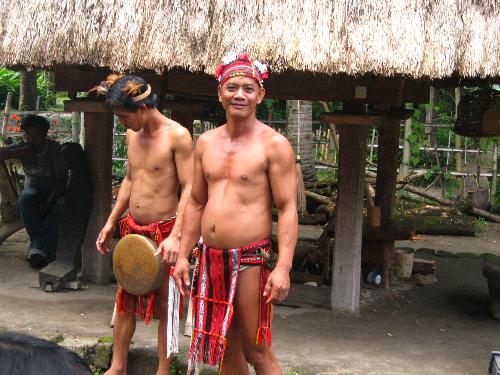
{"x":162,"y":312}
{"x":25,"y":206}
{"x":27,"y":200}
{"x":234,"y":358}
{"x":46,"y":237}
{"x":123,"y":330}
{"x":261,"y":356}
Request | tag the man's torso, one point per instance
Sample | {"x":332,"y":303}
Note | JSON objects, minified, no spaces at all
{"x":153,"y":175}
{"x":238,"y":210}
{"x":41,"y":169}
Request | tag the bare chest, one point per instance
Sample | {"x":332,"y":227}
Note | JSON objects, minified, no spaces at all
{"x":150,"y":155}
{"x":242,"y":165}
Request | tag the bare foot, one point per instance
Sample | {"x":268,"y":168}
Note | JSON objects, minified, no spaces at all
{"x":115,"y":371}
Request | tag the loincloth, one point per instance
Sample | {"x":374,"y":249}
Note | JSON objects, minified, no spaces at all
{"x":214,"y":287}
{"x":155,"y":304}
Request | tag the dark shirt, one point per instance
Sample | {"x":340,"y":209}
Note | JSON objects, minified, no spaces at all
{"x":42,"y":170}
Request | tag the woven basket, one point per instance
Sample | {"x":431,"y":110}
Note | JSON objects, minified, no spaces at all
{"x":478,"y":114}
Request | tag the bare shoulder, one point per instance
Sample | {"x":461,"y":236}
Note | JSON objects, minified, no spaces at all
{"x":178,"y":132}
{"x":277,"y":146}
{"x":207,"y":138}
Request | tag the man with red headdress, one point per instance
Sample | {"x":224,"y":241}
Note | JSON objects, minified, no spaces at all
{"x":240,"y":170}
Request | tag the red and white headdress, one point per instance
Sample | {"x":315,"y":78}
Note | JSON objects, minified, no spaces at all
{"x":240,"y":65}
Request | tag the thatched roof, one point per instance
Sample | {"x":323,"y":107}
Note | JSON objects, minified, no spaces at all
{"x":433,"y":38}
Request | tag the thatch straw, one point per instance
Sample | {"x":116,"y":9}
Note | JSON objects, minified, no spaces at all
{"x":433,"y":38}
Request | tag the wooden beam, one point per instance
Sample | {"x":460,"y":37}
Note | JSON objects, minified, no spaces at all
{"x":349,"y":219}
{"x":350,"y":119}
{"x":98,"y":150}
{"x":84,"y":105}
{"x":186,"y":106}
{"x":76,"y":78}
{"x":375,"y":118}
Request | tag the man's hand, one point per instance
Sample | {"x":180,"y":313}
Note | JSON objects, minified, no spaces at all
{"x":277,"y":286}
{"x":103,"y":242}
{"x":169,"y":248}
{"x":181,"y":276}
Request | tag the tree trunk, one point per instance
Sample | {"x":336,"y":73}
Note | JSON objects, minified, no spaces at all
{"x":301,"y":136}
{"x":405,"y":164}
{"x":27,"y":90}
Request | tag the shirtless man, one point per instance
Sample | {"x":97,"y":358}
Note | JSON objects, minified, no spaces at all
{"x":240,"y":170}
{"x":159,"y":159}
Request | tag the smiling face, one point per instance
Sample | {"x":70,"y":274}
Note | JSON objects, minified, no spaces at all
{"x":240,"y":95}
{"x":133,"y":120}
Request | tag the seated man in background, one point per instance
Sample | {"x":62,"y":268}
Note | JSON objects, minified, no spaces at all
{"x":38,"y":204}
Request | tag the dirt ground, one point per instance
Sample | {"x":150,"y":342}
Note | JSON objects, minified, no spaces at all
{"x":441,"y":328}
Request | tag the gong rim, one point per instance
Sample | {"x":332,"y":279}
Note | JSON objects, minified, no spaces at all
{"x":136,"y":268}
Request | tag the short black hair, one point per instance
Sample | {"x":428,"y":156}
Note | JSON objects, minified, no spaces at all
{"x":21,"y":354}
{"x":35,"y":121}
{"x":118,"y":96}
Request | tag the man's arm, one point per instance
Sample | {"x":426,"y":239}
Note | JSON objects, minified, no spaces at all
{"x":191,"y":228}
{"x":16,"y":151}
{"x":283,"y":180}
{"x":183,"y":156}
{"x":103,"y":242}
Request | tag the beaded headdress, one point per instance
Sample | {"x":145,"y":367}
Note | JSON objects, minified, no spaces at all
{"x":240,"y":65}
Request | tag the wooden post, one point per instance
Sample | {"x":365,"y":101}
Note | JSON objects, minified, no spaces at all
{"x":388,"y":148}
{"x":98,"y":150}
{"x":98,"y":146}
{"x":349,"y":219}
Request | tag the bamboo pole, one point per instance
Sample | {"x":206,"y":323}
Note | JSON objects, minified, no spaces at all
{"x":372,"y":144}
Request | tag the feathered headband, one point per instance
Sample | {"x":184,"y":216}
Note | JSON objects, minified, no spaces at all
{"x":240,"y":65}
{"x":132,"y":88}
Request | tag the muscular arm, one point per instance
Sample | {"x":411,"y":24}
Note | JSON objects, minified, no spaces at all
{"x":283,"y":180}
{"x":191,"y":228}
{"x":183,"y":154}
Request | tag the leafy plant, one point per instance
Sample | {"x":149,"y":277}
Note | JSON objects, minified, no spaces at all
{"x":10,"y":80}
{"x":480,"y":224}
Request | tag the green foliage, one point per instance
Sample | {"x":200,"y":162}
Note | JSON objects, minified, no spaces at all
{"x":324,"y":174}
{"x":175,"y":367}
{"x":105,"y":339}
{"x":10,"y":81}
{"x":119,"y":168}
{"x":480,"y":224}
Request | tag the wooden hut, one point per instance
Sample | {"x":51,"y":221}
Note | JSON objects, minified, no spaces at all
{"x":381,"y":53}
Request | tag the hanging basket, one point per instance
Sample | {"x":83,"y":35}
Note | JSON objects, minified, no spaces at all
{"x":478,"y":114}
